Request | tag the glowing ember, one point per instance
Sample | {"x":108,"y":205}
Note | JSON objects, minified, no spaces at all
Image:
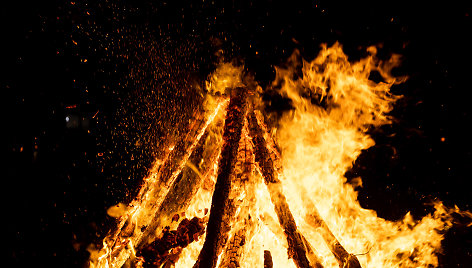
{"x":280,"y":195}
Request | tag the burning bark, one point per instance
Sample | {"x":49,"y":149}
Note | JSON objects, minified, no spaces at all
{"x":342,"y":256}
{"x":216,"y":233}
{"x":355,"y":103}
{"x":168,"y":247}
{"x":296,"y":247}
{"x":233,"y":249}
{"x":118,"y":246}
{"x":185,"y":187}
{"x":242,"y":185}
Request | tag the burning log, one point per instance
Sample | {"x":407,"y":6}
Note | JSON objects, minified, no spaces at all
{"x":185,"y":187}
{"x":342,"y":256}
{"x":296,"y":247}
{"x":216,"y":233}
{"x":273,"y":226}
{"x":182,"y":191}
{"x":311,"y":252}
{"x":166,"y":250}
{"x":242,"y":185}
{"x":119,"y":243}
{"x":233,"y":249}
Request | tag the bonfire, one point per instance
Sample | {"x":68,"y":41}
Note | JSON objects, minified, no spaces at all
{"x":243,"y":188}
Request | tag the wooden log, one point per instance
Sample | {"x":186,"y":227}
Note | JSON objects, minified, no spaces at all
{"x":274,"y":227}
{"x":344,"y":258}
{"x":310,"y":251}
{"x":233,"y":250}
{"x":296,"y":247}
{"x":242,"y":185}
{"x":167,"y":248}
{"x":216,"y":233}
{"x":152,"y":193}
{"x":178,"y":157}
{"x":185,"y":187}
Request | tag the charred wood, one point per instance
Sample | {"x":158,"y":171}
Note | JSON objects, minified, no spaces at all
{"x":154,"y":191}
{"x":233,"y":249}
{"x":166,"y":249}
{"x":242,"y":183}
{"x":216,"y":233}
{"x":344,"y":258}
{"x":296,"y":247}
{"x":185,"y":187}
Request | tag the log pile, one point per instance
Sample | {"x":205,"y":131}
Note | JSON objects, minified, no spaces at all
{"x":246,"y":147}
{"x":155,"y":189}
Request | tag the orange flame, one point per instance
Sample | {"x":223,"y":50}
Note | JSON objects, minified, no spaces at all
{"x":119,"y":245}
{"x":319,"y":143}
{"x":335,"y":103}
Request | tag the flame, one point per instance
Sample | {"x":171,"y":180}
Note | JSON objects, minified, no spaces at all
{"x":334,"y":104}
{"x":225,"y":76}
{"x":118,"y":246}
{"x":319,"y":143}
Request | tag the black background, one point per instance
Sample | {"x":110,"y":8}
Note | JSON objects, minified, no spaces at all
{"x":125,"y":74}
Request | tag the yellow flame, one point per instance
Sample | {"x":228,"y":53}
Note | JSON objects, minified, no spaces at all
{"x":117,"y":210}
{"x":319,"y":143}
{"x":119,"y":245}
{"x":225,"y":76}
{"x":335,"y":103}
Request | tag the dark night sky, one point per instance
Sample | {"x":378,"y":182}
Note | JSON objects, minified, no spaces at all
{"x":91,"y":88}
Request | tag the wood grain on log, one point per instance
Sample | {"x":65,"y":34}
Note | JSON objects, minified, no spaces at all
{"x":242,"y":185}
{"x":215,"y":234}
{"x":233,"y":249}
{"x":185,"y":187}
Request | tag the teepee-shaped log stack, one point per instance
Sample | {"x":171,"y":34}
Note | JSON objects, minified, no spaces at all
{"x":246,"y":147}
{"x":239,"y":110}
